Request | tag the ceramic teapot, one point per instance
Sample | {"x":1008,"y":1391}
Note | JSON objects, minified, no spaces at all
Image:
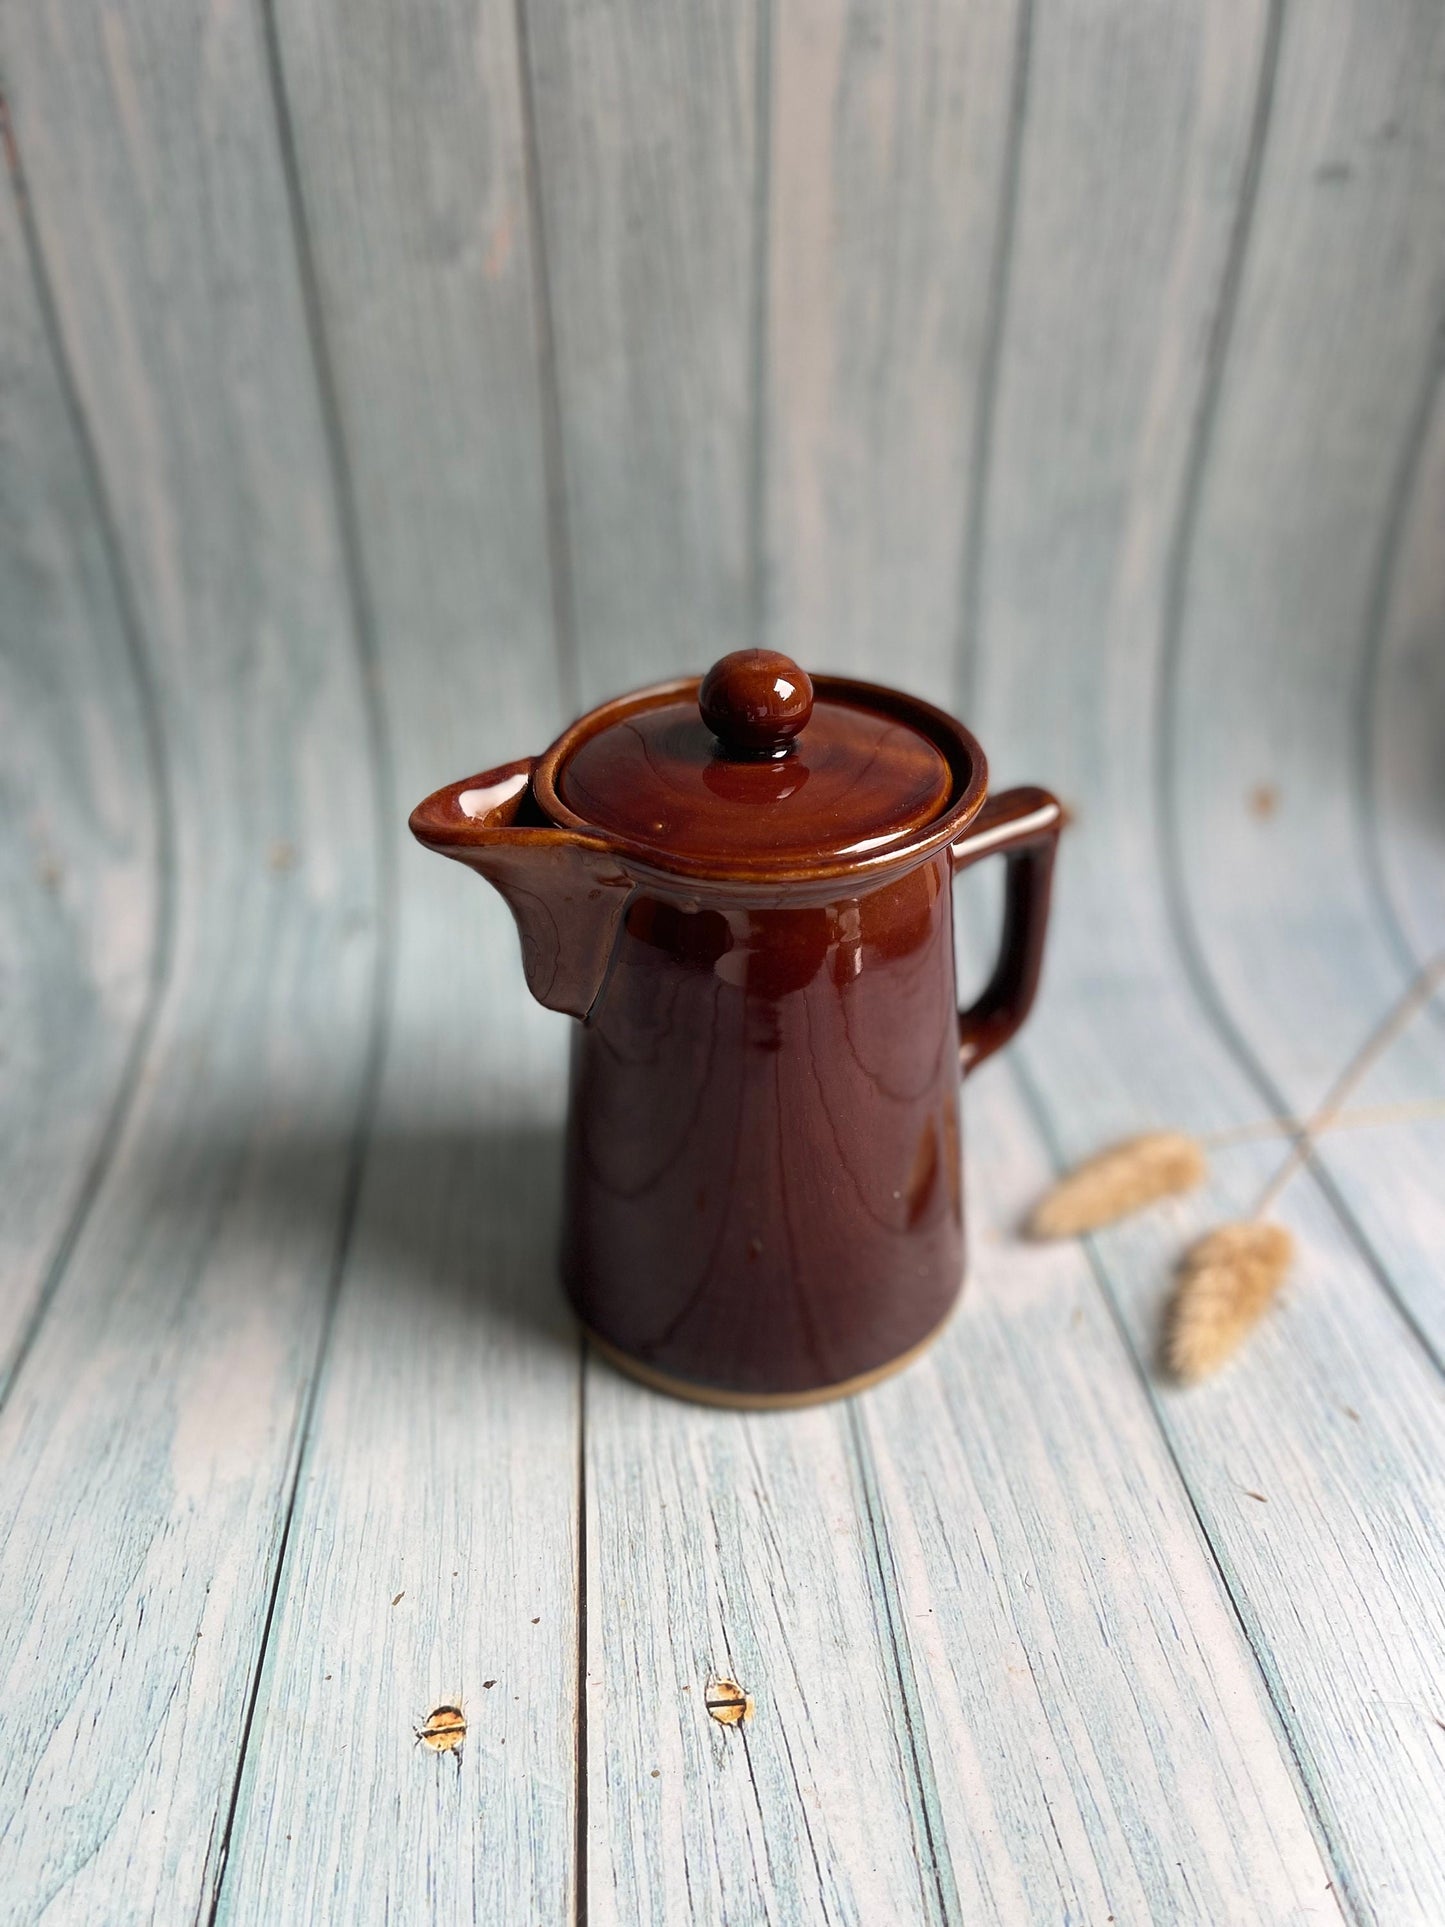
{"x":740,"y":888}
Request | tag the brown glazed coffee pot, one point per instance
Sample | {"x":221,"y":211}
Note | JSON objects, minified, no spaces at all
{"x":740,"y":889}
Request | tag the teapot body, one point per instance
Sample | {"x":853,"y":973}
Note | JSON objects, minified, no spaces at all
{"x":763,"y":1195}
{"x":739,"y":888}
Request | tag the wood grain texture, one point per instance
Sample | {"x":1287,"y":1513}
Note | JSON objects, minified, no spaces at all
{"x":1319,"y":423}
{"x":1342,"y":1615}
{"x":649,"y":168}
{"x":1100,"y":1736}
{"x":150,"y":1439}
{"x":892,"y":135}
{"x":1392,"y":1183}
{"x":1403,"y":700}
{"x":432,"y":1558}
{"x":82,"y":851}
{"x":734,"y":1545}
{"x":1331,"y":1402}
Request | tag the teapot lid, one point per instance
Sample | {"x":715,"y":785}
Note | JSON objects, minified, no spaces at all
{"x":758,"y":770}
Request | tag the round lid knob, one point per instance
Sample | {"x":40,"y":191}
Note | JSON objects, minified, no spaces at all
{"x":755,"y":702}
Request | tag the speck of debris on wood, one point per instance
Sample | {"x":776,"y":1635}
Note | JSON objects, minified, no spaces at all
{"x":399,"y":1597}
{"x":486,"y":1683}
{"x":657,"y":1771}
{"x":728,"y":1703}
{"x":1350,"y":1412}
{"x":444,"y":1729}
{"x":1263,"y":801}
{"x":1254,"y":1495}
{"x":538,"y":1620}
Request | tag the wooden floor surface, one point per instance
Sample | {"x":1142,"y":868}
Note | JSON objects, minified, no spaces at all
{"x":373,"y":401}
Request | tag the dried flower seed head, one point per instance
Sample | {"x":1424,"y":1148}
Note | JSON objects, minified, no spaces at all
{"x":1118,"y":1181}
{"x":1227,"y":1281}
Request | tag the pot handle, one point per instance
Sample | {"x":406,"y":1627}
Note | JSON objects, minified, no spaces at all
{"x":1025,"y":824}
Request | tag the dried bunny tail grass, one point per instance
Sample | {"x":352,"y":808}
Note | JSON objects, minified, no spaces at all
{"x":1227,"y":1281}
{"x":1117,"y":1181}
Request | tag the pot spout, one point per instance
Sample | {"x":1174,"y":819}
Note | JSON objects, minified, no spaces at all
{"x":567,"y":892}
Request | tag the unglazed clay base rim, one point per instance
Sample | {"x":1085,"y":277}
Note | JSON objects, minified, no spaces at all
{"x":696,"y":1394}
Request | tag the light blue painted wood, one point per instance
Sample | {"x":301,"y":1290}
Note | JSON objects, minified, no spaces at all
{"x":1392,"y":1180}
{"x":1100,"y":1736}
{"x":893,"y":132}
{"x":649,"y":157}
{"x":1404,"y":701}
{"x":1319,"y":424}
{"x":150,"y":1440}
{"x":81,"y":851}
{"x":1334,"y":1399}
{"x":432,"y":1558}
{"x":733,"y":1545}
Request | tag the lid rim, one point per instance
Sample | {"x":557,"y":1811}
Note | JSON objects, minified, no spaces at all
{"x":956,"y":744}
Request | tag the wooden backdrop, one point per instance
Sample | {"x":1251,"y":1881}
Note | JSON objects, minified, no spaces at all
{"x":380,"y":383}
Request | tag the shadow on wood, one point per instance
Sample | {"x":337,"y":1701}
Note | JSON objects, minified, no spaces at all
{"x":452,"y":1227}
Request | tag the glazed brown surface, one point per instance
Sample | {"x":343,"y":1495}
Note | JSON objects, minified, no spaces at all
{"x":755,"y":702}
{"x":851,"y":782}
{"x":764,"y":1192}
{"x":565,"y":891}
{"x":779,"y":830}
{"x":763,"y":1185}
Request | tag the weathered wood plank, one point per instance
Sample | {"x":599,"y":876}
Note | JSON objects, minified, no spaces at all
{"x":1334,"y":1417}
{"x":736,"y":1546}
{"x":893,"y":130}
{"x":1404,"y":701}
{"x":1392,"y":1177}
{"x":149,"y":1441}
{"x":1100,"y":1735}
{"x":81,"y":855}
{"x":1332,"y":1569}
{"x":432,"y":1561}
{"x":1321,"y":409}
{"x":649,"y":164}
{"x":433,"y":1555}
